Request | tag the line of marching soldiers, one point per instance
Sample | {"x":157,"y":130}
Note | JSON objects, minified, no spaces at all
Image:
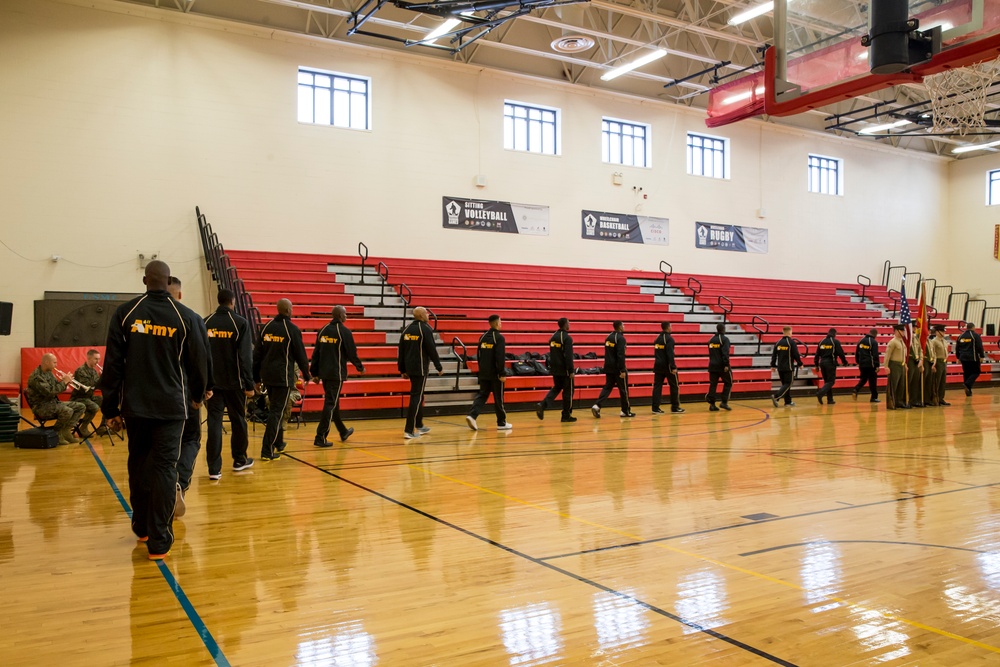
{"x":917,"y":374}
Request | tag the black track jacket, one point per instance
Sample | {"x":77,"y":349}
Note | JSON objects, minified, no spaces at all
{"x":417,"y":350}
{"x":785,"y":355}
{"x":231,"y":346}
{"x":561,"y":354}
{"x":278,"y":350}
{"x":614,"y":353}
{"x":718,"y":352}
{"x":334,"y":348}
{"x":866,"y":353}
{"x":663,"y":354}
{"x":492,"y":348}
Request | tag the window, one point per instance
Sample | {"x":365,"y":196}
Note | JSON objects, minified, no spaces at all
{"x":326,"y":98}
{"x":993,"y":187}
{"x":530,"y":128}
{"x":707,"y":156}
{"x":826,"y":175}
{"x":624,"y":143}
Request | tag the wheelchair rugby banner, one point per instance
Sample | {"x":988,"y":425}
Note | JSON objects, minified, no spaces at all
{"x":730,"y":237}
{"x":495,"y":216}
{"x":623,"y":228}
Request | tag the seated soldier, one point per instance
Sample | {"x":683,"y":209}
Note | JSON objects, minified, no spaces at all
{"x":42,"y":394}
{"x":87,"y":376}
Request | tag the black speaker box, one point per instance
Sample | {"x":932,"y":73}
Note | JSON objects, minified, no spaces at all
{"x":6,"y":311}
{"x":36,"y":438}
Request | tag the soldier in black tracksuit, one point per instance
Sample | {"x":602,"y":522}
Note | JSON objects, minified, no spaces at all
{"x":867,"y":357}
{"x":665,"y":367}
{"x":155,"y":373}
{"x":615,"y":373}
{"x":562,"y":367}
{"x":231,"y":344}
{"x":719,"y":369}
{"x":492,"y":375}
{"x":334,"y":348}
{"x":828,"y":352}
{"x":969,"y":351}
{"x":785,"y":359}
{"x":416,"y":352}
{"x":279,"y":349}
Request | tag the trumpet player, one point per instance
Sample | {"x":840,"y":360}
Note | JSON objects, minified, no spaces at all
{"x":85,"y":379}
{"x":43,"y":392}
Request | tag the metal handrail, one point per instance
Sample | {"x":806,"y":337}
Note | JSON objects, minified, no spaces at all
{"x":364,"y":258}
{"x":920,"y":279}
{"x":385,"y":280}
{"x":805,"y":353}
{"x":725,"y":311}
{"x":964,"y":309}
{"x":981,"y":314}
{"x":887,"y":270}
{"x":694,"y":292}
{"x":406,"y":301}
{"x":433,"y":316}
{"x":669,"y":271}
{"x":864,"y":286}
{"x":760,"y":332}
{"x":221,"y":268}
{"x":934,"y":298}
{"x":993,"y":308}
{"x":895,"y":299}
{"x":463,"y":359}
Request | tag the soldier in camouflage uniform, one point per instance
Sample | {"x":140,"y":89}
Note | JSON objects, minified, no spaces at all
{"x":87,"y":375}
{"x":43,"y":398}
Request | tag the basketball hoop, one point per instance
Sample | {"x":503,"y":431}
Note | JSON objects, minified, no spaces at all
{"x":958,"y":96}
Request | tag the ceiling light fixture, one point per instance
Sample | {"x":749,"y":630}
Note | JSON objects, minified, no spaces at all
{"x":440,"y":30}
{"x":882,"y":128}
{"x":638,"y":62}
{"x":751,"y":13}
{"x":739,"y":97}
{"x":977,"y":147}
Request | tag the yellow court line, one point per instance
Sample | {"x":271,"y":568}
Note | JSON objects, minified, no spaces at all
{"x":683,"y":552}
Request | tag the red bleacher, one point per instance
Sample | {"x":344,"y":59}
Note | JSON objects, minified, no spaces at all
{"x":462,"y":295}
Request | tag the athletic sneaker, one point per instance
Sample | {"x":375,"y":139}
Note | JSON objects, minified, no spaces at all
{"x":677,"y":410}
{"x":790,"y":404}
{"x":280,"y":447}
{"x":410,"y":436}
{"x":422,"y":430}
{"x":725,"y":406}
{"x":626,"y":414}
{"x":568,"y":418}
{"x":505,"y":427}
{"x":713,"y":408}
{"x":968,"y":392}
{"x":273,"y":456}
{"x":215,"y":476}
{"x":346,"y":434}
{"x":657,"y":411}
{"x":471,"y":421}
{"x":158,"y":556}
{"x":540,"y":411}
{"x":774,"y":401}
{"x":247,"y":463}
{"x":179,"y":507}
{"x":596,"y":411}
{"x":322,"y":443}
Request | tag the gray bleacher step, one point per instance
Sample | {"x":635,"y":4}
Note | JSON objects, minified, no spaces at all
{"x":730,"y":328}
{"x":761,"y":361}
{"x":446,"y":383}
{"x":658,"y":290}
{"x":385,"y":312}
{"x":685,"y":307}
{"x":678,"y":299}
{"x":369,"y":289}
{"x":352,"y":269}
{"x":702,"y":316}
{"x":744,"y":350}
{"x":373,"y":300}
{"x":646,"y":282}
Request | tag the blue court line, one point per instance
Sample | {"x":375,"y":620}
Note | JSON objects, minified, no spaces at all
{"x":206,"y":637}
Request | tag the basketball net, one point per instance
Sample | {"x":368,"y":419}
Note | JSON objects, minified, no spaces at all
{"x":958,"y":96}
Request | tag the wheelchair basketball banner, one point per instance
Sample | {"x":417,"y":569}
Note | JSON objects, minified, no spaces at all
{"x":495,"y":216}
{"x":602,"y":226}
{"x":730,"y":237}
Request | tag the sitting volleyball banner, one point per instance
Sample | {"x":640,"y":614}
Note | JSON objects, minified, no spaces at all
{"x":495,"y":216}
{"x":623,"y":228}
{"x":730,"y":237}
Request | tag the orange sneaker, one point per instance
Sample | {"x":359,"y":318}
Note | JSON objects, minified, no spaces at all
{"x":158,"y":556}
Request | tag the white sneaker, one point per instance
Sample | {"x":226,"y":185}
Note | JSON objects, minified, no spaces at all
{"x":410,"y":436}
{"x":471,"y":421}
{"x":422,"y":430}
{"x":505,"y":427}
{"x":596,"y":411}
{"x":179,"y":507}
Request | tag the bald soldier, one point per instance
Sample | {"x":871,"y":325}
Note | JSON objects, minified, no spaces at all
{"x":155,"y":375}
{"x":42,"y":395}
{"x":334,"y":348}
{"x":416,"y":352}
{"x":279,"y":350}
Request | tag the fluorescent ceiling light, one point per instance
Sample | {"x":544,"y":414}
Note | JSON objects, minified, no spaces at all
{"x":944,"y":25}
{"x":440,"y":30}
{"x":751,"y":13}
{"x":638,"y":62}
{"x":976,"y":147}
{"x":739,"y":97}
{"x":882,"y":128}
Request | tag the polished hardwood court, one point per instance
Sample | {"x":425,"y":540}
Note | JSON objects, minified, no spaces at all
{"x":813,"y":535}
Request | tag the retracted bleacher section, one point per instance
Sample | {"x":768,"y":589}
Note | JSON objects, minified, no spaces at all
{"x":378,"y":296}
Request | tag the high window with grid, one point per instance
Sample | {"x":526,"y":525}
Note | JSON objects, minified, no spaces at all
{"x":826,"y":175}
{"x":530,"y":128}
{"x":624,"y":143}
{"x":327,"y":98}
{"x":707,"y":155}
{"x":993,"y":187}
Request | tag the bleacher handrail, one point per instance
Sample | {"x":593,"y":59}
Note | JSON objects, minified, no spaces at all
{"x":760,"y":332}
{"x":920,"y":278}
{"x":364,"y":258}
{"x":695,"y":291}
{"x":385,"y":280}
{"x":968,"y":302}
{"x":219,"y":265}
{"x":934,"y":297}
{"x":996,"y":324}
{"x":463,"y":359}
{"x":951,"y":310}
{"x":725,"y":310}
{"x":432,"y":315}
{"x":669,"y":271}
{"x":406,"y":301}
{"x":864,"y":286}
{"x":887,"y":269}
{"x":895,"y":299}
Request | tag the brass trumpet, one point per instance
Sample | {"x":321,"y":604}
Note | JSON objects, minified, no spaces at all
{"x":70,"y":380}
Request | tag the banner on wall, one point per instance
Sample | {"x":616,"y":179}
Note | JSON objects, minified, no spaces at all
{"x":996,"y":241}
{"x":730,"y":237}
{"x":603,"y":226}
{"x":495,"y":216}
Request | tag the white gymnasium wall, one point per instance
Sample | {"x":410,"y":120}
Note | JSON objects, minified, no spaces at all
{"x":116,"y":121}
{"x":971,"y":229}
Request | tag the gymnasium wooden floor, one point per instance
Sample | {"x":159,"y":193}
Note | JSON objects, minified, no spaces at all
{"x":835,"y":535}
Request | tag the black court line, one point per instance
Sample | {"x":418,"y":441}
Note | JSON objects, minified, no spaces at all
{"x":909,"y":544}
{"x":590,"y":582}
{"x":667,"y":538}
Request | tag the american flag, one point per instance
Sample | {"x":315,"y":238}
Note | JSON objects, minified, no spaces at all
{"x":904,"y":317}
